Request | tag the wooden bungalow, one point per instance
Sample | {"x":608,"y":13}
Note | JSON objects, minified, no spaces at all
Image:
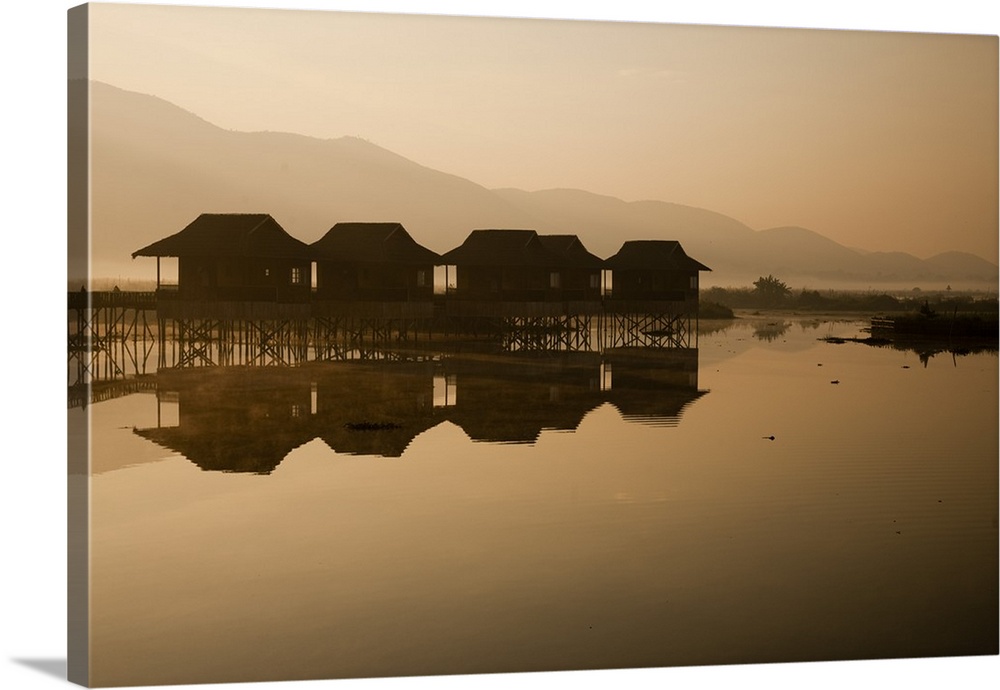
{"x":504,"y":265}
{"x":373,"y":262}
{"x":579,"y":271}
{"x":244,"y":257}
{"x":654,"y":270}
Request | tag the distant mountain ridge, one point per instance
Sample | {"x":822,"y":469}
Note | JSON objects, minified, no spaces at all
{"x":155,"y":167}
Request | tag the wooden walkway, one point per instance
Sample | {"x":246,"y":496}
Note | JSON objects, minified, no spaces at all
{"x":115,"y":335}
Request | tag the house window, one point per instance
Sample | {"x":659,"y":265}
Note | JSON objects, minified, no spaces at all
{"x":267,"y":272}
{"x":421,"y":278}
{"x":595,"y":280}
{"x":693,"y":283}
{"x":296,"y":275}
{"x":554,"y":280}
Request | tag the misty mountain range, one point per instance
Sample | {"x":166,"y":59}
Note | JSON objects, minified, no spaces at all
{"x":155,"y":167}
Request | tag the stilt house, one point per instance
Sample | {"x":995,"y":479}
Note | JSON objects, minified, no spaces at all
{"x":235,"y":257}
{"x":654,"y":270}
{"x":579,"y":271}
{"x":372,"y":262}
{"x":506,"y":265}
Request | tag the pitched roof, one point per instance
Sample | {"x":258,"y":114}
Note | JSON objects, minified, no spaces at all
{"x":230,"y":234}
{"x":654,"y":255}
{"x":571,"y":251}
{"x":372,"y":243}
{"x":501,"y":248}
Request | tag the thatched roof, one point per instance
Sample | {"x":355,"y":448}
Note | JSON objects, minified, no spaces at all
{"x":653,"y":255}
{"x":571,"y":251}
{"x":230,"y":234}
{"x":371,"y":243}
{"x":501,"y":248}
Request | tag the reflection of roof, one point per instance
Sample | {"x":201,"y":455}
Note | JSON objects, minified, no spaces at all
{"x":501,"y":248}
{"x":658,"y":407}
{"x":654,"y":255}
{"x":512,"y":399}
{"x":247,"y":419}
{"x":230,"y":234}
{"x":235,"y":419}
{"x":571,"y":251}
{"x":521,"y":421}
{"x":651,"y":385}
{"x":257,"y":450}
{"x":389,"y":442}
{"x":372,"y":242}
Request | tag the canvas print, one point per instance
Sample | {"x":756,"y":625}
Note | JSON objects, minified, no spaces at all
{"x":406,"y":345}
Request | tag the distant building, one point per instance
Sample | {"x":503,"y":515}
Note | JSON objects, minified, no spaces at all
{"x":235,"y":257}
{"x":654,"y":270}
{"x":372,"y":262}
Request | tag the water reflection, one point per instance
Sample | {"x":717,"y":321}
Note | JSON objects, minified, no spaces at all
{"x":616,"y":544}
{"x":925,"y":348}
{"x":247,"y":419}
{"x":769,"y":331}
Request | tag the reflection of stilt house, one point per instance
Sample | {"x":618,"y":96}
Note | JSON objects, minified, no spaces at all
{"x":514,"y":398}
{"x":374,"y":409}
{"x":234,"y":419}
{"x":248,"y":419}
{"x":652,"y":386}
{"x":373,"y":283}
{"x":534,"y":292}
{"x":653,"y":295}
{"x":242,"y":295}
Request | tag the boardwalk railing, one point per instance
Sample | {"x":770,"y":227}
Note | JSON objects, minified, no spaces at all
{"x":112,"y":298}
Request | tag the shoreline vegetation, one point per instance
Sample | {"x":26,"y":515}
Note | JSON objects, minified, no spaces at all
{"x":926,"y":321}
{"x":920,"y":309}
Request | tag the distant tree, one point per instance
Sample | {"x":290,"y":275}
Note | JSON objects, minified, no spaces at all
{"x":812,"y":299}
{"x":771,"y":290}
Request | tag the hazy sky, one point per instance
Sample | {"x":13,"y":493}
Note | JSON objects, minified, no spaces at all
{"x":882,"y":141}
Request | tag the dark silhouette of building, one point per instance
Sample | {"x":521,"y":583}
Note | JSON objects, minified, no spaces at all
{"x":504,"y":265}
{"x":579,"y":271}
{"x":372,"y":262}
{"x":244,"y":286}
{"x":235,"y":257}
{"x":657,"y":270}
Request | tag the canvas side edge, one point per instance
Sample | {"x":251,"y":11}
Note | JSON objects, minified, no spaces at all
{"x":78,"y":270}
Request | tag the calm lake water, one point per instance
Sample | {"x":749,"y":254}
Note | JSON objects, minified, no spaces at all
{"x":468,"y":514}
